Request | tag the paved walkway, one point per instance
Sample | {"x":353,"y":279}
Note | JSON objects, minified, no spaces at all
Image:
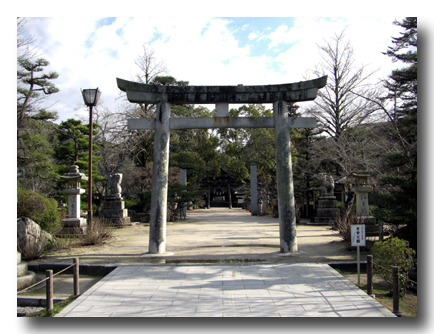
{"x":259,"y":290}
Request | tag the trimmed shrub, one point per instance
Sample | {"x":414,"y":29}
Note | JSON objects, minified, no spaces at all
{"x":38,"y":208}
{"x":393,"y":252}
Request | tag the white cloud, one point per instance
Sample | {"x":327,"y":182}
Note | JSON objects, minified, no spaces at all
{"x":252,"y":36}
{"x":198,"y":49}
{"x":368,"y":36}
{"x":196,"y":54}
{"x":279,"y":36}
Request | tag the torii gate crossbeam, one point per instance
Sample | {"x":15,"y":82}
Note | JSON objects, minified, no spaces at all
{"x":221,"y":96}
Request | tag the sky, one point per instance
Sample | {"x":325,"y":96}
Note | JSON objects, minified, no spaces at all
{"x":90,"y":52}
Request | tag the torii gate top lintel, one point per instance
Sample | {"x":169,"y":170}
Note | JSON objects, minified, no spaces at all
{"x":291,"y":92}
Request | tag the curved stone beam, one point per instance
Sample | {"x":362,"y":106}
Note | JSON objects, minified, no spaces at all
{"x":292,"y":92}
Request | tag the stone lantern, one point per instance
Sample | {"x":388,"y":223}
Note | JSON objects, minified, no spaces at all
{"x":74,"y":224}
{"x":362,"y":189}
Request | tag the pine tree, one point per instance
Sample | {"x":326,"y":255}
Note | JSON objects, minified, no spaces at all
{"x":29,"y":89}
{"x":73,"y":149}
{"x":35,"y":128}
{"x":401,"y":164}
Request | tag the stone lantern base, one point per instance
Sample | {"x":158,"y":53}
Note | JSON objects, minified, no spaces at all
{"x":371,"y":226}
{"x":74,"y":226}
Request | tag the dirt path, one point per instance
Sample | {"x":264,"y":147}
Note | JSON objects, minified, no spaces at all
{"x":214,"y":235}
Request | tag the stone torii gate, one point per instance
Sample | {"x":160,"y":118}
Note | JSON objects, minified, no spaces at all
{"x":221,"y":96}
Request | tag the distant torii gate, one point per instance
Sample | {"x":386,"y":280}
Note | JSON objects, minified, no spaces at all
{"x":221,"y":96}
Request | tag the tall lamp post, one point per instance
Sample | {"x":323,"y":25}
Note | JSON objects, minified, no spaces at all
{"x":91,"y":98}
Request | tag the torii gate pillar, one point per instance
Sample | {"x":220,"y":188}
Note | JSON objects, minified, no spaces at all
{"x":285,"y":186}
{"x":160,"y":172}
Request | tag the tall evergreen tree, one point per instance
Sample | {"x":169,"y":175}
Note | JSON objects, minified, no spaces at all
{"x":35,"y":128}
{"x":32,"y":88}
{"x":73,"y":149}
{"x":73,"y":144}
{"x":34,"y":156}
{"x":401,"y":164}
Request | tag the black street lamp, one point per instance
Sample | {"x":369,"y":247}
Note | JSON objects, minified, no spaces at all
{"x":91,"y":98}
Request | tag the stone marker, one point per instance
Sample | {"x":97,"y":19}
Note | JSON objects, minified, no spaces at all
{"x":253,"y":190}
{"x":183,"y":182}
{"x":221,"y":96}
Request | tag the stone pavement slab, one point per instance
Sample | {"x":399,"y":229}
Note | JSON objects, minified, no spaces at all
{"x":256,"y":290}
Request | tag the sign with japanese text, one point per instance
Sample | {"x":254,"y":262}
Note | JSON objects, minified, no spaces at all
{"x":358,"y":235}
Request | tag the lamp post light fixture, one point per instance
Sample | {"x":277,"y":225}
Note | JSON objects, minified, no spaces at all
{"x":91,"y":98}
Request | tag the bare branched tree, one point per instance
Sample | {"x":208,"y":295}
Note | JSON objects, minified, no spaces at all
{"x":358,"y":148}
{"x":339,"y":106}
{"x":150,"y":67}
{"x":123,"y":150}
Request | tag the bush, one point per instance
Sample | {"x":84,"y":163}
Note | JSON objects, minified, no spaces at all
{"x":38,"y":208}
{"x":343,"y":222}
{"x":393,"y":252}
{"x":131,"y":202}
{"x":100,"y":231}
{"x":344,"y":219}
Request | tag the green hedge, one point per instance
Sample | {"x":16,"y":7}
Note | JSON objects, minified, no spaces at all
{"x":38,"y":208}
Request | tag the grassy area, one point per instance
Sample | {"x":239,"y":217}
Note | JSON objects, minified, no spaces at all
{"x":381,"y":290}
{"x":57,"y":307}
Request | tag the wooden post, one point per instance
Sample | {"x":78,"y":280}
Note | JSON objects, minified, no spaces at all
{"x":369,"y":267}
{"x":358,"y":265}
{"x":395,"y":272}
{"x":229,"y":196}
{"x":381,"y":231}
{"x":49,"y":290}
{"x":75,"y":271}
